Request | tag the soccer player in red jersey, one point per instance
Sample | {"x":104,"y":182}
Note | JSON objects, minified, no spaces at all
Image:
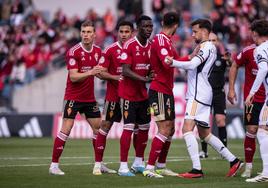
{"x":82,"y":64}
{"x":112,"y":112}
{"x":135,"y":60}
{"x":251,"y":112}
{"x":259,"y":30}
{"x":161,"y":97}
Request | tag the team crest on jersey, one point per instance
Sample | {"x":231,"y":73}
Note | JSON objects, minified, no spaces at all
{"x":164,"y":51}
{"x":96,"y":56}
{"x":124,"y":56}
{"x":72,"y":62}
{"x":82,"y":53}
{"x":102,"y":59}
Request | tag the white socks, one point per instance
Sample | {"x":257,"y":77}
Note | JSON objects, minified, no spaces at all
{"x":192,"y":147}
{"x":138,"y":162}
{"x":54,"y":165}
{"x":262,"y":136}
{"x":219,"y":147}
{"x":123,"y":167}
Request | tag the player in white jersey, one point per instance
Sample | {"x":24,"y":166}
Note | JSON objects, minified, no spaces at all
{"x":199,"y":98}
{"x":259,"y":30}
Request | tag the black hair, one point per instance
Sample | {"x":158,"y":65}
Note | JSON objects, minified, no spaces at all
{"x":203,"y":23}
{"x":260,"y":27}
{"x":125,"y":23}
{"x":141,"y":18}
{"x":170,"y":19}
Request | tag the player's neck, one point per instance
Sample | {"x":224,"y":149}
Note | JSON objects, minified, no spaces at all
{"x":87,"y":46}
{"x":167,"y":32}
{"x":142,"y":40}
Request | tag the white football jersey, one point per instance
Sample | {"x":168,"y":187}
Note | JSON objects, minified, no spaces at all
{"x":261,"y":58}
{"x":199,"y":87}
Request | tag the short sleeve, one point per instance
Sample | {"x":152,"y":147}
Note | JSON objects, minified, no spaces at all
{"x":126,"y":55}
{"x":71,"y":61}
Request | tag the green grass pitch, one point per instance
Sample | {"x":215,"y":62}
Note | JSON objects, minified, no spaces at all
{"x":25,"y":163}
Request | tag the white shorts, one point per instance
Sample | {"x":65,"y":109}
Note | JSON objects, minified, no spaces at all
{"x":198,"y":112}
{"x":263,"y":119}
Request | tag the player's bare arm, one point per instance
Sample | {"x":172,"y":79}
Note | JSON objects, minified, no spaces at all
{"x":129,"y":73}
{"x":232,"y":77}
{"x":105,"y":75}
{"x":76,"y":76}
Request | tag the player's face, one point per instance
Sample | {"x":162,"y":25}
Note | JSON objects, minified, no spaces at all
{"x":197,"y":33}
{"x":146,"y":28}
{"x":87,"y":34}
{"x":124,"y":33}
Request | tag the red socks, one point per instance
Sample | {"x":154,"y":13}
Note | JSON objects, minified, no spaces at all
{"x":249,"y":147}
{"x":59,"y":143}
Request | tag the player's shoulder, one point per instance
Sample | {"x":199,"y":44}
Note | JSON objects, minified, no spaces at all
{"x":249,"y":48}
{"x":111,"y":47}
{"x":96,"y":47}
{"x":160,"y":39}
{"x":207,"y":46}
{"x":74,"y":49}
{"x":262,"y":47}
{"x":129,"y":43}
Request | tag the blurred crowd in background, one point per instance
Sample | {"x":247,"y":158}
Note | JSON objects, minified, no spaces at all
{"x":31,"y":45}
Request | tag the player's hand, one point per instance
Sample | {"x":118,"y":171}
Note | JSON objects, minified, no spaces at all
{"x":249,"y":100}
{"x":96,"y":70}
{"x":195,"y":52}
{"x":232,"y":96}
{"x":151,"y":76}
{"x":168,"y":60}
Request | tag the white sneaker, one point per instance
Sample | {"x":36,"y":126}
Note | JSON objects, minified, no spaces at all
{"x":105,"y":169}
{"x":165,"y":172}
{"x":56,"y":171}
{"x":151,"y":174}
{"x":259,"y":178}
{"x":247,"y":173}
{"x":97,"y":170}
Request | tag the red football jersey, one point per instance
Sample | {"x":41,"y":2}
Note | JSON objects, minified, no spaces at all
{"x":79,"y":58}
{"x":164,"y":74}
{"x":138,"y":57}
{"x":111,"y":60}
{"x":246,"y":58}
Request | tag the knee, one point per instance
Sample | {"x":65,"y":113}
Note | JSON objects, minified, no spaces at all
{"x":106,"y":126}
{"x":167,"y":129}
